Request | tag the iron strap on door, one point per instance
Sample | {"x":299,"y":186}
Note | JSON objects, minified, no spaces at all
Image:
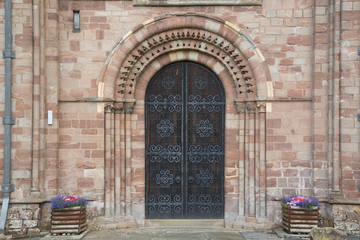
{"x":184,"y":143}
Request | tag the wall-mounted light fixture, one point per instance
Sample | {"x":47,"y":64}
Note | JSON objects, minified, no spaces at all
{"x":76,"y":21}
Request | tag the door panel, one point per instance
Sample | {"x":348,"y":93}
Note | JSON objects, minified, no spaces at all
{"x":184,"y":143}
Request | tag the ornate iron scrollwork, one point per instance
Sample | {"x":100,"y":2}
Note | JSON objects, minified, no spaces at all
{"x":204,"y":128}
{"x":158,"y":103}
{"x":211,"y":103}
{"x":200,"y":82}
{"x":212,"y":154}
{"x":164,"y":178}
{"x":171,"y":154}
{"x":168,"y":82}
{"x":165,"y":128}
{"x":205,"y":178}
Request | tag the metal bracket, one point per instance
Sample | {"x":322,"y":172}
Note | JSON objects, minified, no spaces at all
{"x":7,"y":188}
{"x":7,"y":53}
{"x":359,"y":187}
{"x":358,"y":117}
{"x":358,"y":51}
{"x":8,"y":120}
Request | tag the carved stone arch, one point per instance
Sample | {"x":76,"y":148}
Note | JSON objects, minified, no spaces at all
{"x":185,"y":55}
{"x":182,"y":32}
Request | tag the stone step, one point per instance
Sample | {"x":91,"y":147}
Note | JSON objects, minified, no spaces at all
{"x":185,"y":223}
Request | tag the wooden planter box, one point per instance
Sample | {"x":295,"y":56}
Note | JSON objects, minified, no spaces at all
{"x":68,"y":220}
{"x":299,"y":220}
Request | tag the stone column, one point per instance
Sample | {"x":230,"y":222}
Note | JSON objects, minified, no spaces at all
{"x":118,"y":118}
{"x":128,"y":108}
{"x":262,"y":160}
{"x":108,"y":154}
{"x":251,"y":148}
{"x":241,"y":110}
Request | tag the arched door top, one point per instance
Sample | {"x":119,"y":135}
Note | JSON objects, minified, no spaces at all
{"x":172,"y":36}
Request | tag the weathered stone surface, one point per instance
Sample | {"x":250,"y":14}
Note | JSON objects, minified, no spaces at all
{"x":30,"y":223}
{"x":347,"y":219}
{"x":15,"y":224}
{"x":26,"y":214}
{"x":327,"y":233}
{"x":33,"y":231}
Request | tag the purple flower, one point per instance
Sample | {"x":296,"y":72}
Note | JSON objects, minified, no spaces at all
{"x":300,"y":201}
{"x":60,"y":202}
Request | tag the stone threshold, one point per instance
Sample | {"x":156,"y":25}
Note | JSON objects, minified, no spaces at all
{"x":185,"y":223}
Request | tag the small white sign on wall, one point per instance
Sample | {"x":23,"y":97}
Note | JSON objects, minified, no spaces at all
{"x":50,"y":117}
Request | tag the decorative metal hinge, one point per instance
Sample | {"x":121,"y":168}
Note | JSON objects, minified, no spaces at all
{"x":7,"y":188}
{"x":7,"y":53}
{"x":8,"y":120}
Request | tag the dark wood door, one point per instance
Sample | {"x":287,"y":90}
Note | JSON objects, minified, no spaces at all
{"x":185,"y":110}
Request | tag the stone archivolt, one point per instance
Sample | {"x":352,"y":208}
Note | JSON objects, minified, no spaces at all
{"x":187,"y":39}
{"x":173,"y":33}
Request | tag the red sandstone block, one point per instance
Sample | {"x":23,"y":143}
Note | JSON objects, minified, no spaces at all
{"x":290,"y":173}
{"x":88,"y":145}
{"x":89,"y":131}
{"x":294,"y":40}
{"x":283,"y":146}
{"x":65,"y":124}
{"x":273,"y":123}
{"x":94,"y":5}
{"x":75,"y":45}
{"x":271,"y":182}
{"x":288,"y":155}
{"x":53,"y":16}
{"x":85,"y":164}
{"x":63,"y":5}
{"x":98,"y":19}
{"x":349,"y":185}
{"x":281,"y":182}
{"x":295,"y":93}
{"x":85,"y":183}
{"x":273,"y":173}
{"x":293,"y":182}
{"x":65,"y":138}
{"x":350,"y":15}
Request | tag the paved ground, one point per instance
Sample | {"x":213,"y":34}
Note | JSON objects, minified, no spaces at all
{"x":164,"y":234}
{"x":179,"y":234}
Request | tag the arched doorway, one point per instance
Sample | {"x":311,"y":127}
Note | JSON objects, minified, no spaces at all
{"x":185,"y":118}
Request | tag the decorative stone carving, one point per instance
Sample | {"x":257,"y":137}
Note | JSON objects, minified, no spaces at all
{"x":118,"y":107}
{"x":251,"y":107}
{"x":240,"y":107}
{"x":108,"y":108}
{"x":262,"y":107}
{"x":178,"y":39}
{"x":129,"y":107}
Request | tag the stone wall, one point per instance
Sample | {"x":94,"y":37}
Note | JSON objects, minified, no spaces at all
{"x":347,"y":218}
{"x":312,"y":134}
{"x":23,"y":220}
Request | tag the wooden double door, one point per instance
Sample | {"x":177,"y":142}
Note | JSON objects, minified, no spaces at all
{"x":185,"y":110}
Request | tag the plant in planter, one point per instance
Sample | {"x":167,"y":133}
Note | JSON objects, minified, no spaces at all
{"x":300,"y":213}
{"x":68,"y":215}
